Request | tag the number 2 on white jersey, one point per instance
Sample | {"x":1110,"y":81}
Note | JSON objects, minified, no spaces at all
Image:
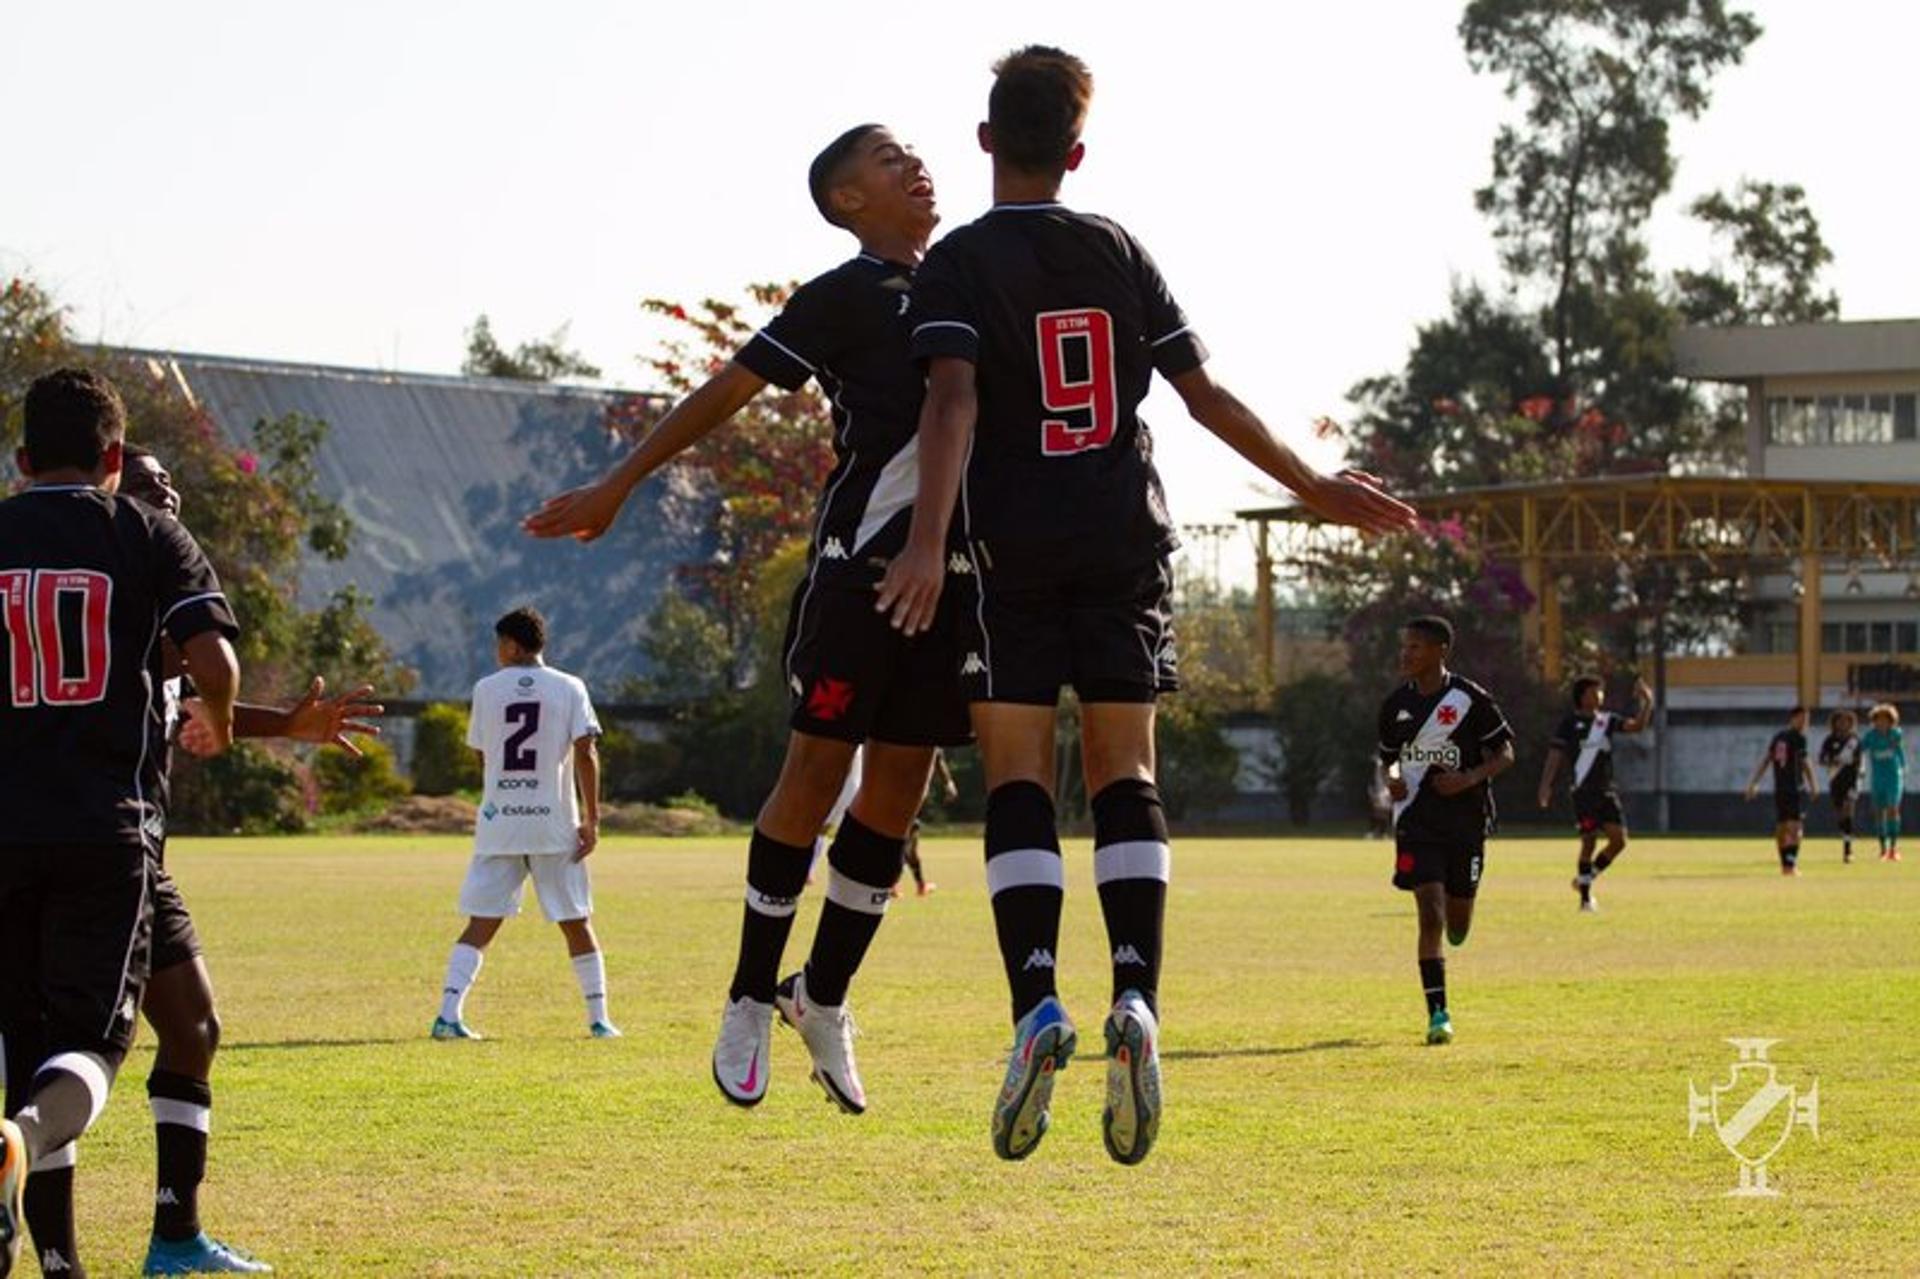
{"x":1096,"y":395}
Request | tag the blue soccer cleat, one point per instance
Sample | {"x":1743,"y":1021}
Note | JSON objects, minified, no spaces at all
{"x":1043,"y":1042}
{"x":1132,"y":1118}
{"x":1439,"y":1027}
{"x":605,"y":1030}
{"x":444,"y":1029}
{"x":200,"y":1255}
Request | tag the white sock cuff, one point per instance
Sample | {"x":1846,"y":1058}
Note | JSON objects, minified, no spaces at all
{"x":1133,"y":859}
{"x":90,"y":1070}
{"x":1025,"y":868}
{"x":185,"y":1114}
{"x":769,"y":905}
{"x":866,"y":899}
{"x":65,"y":1157}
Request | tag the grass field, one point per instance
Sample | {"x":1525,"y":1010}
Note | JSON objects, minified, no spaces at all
{"x":1308,"y":1128}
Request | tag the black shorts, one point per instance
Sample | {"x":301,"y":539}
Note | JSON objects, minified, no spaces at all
{"x":1845,"y":794}
{"x":76,"y":934}
{"x":1591,"y":812}
{"x":1108,"y":633}
{"x":174,"y":940}
{"x":851,"y":676}
{"x":1457,"y":865}
{"x":1789,"y":805}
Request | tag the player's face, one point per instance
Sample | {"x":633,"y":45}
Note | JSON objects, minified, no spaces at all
{"x":1883,"y":721}
{"x":890,"y":186}
{"x":145,"y":479}
{"x":1592,"y":699}
{"x":1420,"y":654}
{"x":1799,"y":722}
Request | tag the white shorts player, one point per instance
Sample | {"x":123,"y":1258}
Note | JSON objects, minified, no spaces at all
{"x":534,"y":727}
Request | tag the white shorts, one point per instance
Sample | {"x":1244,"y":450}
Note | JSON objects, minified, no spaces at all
{"x":492,"y":890}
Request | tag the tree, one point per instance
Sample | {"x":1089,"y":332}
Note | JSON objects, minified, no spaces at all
{"x":541,"y":360}
{"x":1311,"y":756}
{"x":442,"y":761}
{"x":1778,"y":253}
{"x":766,"y":467}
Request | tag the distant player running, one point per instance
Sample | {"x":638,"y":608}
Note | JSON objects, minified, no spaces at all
{"x":852,"y":678}
{"x":1443,"y":740}
{"x":1840,"y":756}
{"x":1586,"y":738}
{"x":1792,"y":783}
{"x":539,"y":817}
{"x":1886,"y":752}
{"x":89,"y":582}
{"x":1041,"y":329}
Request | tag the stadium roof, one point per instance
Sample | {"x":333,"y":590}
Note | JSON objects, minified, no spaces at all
{"x":1738,"y":353}
{"x":436,"y":473}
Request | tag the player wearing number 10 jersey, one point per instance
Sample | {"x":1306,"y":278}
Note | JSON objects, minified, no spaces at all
{"x":534,"y":727}
{"x":1040,"y":328}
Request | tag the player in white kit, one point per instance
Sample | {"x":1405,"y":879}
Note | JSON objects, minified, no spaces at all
{"x":534,"y":727}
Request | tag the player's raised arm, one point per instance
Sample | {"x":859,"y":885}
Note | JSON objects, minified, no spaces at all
{"x":325,"y":721}
{"x":1642,"y":709}
{"x":588,"y":512}
{"x":1349,"y":497}
{"x":910,"y":591}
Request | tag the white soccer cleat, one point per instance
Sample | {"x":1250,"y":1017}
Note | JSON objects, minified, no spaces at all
{"x":1131,"y":1119}
{"x":828,"y":1034}
{"x":1589,"y":907}
{"x":740,"y":1054}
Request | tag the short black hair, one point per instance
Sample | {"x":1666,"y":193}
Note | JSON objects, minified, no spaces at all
{"x":1434,"y":627}
{"x":1580,"y":687}
{"x":1037,"y":107}
{"x":130,"y":450}
{"x":525,"y":627}
{"x":72,"y":416}
{"x":1797,"y":710}
{"x":824,"y":174}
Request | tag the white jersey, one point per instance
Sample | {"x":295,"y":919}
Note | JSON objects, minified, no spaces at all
{"x":525,"y":720}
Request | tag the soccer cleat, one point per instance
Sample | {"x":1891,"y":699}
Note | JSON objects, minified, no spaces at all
{"x":1589,"y":906}
{"x":1439,"y":1027}
{"x":444,"y":1029}
{"x":828,"y":1034}
{"x":925,"y":888}
{"x":1043,"y":1043}
{"x":13,"y":1185}
{"x":740,"y":1054}
{"x":605,"y":1030}
{"x":200,"y":1255}
{"x":1893,"y":854}
{"x":1131,"y":1120}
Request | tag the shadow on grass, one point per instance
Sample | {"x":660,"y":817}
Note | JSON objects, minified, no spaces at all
{"x":278,"y":1044}
{"x":1290,"y":1050}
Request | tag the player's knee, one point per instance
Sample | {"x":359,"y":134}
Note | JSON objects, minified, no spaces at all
{"x":866,"y":857}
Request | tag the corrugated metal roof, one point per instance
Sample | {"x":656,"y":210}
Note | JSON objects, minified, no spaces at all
{"x":437,"y":473}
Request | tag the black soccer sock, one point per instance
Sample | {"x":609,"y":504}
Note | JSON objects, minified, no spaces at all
{"x":49,"y":1205}
{"x":1433,"y":981}
{"x":1027,"y":882}
{"x":776,"y":873}
{"x":1131,"y":864}
{"x":182,"y":1116}
{"x":1604,"y":860}
{"x":862,"y":867}
{"x":1789,"y":854}
{"x":1583,"y":875}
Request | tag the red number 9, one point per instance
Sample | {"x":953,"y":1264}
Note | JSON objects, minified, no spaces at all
{"x":1093,"y":399}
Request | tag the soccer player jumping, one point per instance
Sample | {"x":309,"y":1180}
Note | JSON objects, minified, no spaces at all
{"x":853,"y":678}
{"x":1040,"y":328}
{"x":1443,"y":740}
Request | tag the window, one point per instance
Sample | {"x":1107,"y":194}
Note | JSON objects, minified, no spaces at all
{"x":1832,"y":638}
{"x":1782,"y":637}
{"x":1843,"y":419}
{"x":1880,"y":637}
{"x":1857,"y":638}
{"x":1906,"y":637}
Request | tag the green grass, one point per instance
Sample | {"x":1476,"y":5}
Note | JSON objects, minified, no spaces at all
{"x":1308,"y":1127}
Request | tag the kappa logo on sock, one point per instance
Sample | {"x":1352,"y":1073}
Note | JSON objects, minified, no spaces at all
{"x":1126,"y":954}
{"x":51,"y":1262}
{"x":1040,"y":958}
{"x":166,"y":1198}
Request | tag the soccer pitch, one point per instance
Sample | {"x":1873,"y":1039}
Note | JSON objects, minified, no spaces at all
{"x":1308,"y":1128}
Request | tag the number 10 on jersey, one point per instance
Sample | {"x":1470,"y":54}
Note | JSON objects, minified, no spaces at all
{"x":1076,"y":377}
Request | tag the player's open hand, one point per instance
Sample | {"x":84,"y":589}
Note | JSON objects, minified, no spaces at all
{"x":1357,"y":499}
{"x":334,"y":721}
{"x":589,"y":839}
{"x":199,"y":735}
{"x":583,"y":514}
{"x":910,"y":591}
{"x":1752,"y":791}
{"x":1396,"y":789}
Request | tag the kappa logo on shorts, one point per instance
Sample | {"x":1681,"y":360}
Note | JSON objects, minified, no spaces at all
{"x":973,"y":665}
{"x":833,"y":550}
{"x":958,"y":563}
{"x":831,"y":698}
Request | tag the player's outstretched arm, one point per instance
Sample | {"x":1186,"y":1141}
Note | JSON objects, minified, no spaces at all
{"x":1642,"y":709}
{"x":326,"y":721}
{"x":587,"y":512}
{"x":1350,"y":497}
{"x":215,"y":672}
{"x":910,"y":591}
{"x":586,"y":777}
{"x":1547,"y":774}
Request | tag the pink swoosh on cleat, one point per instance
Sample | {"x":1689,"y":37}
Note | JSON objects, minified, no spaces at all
{"x":753,"y":1075}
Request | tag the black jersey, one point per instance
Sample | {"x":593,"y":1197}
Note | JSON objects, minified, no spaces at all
{"x":88,"y":582}
{"x":846,"y":329}
{"x":1066,"y":318}
{"x":1588,"y":742}
{"x":1840,"y":752}
{"x":1453,"y":729}
{"x":1788,"y":754}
